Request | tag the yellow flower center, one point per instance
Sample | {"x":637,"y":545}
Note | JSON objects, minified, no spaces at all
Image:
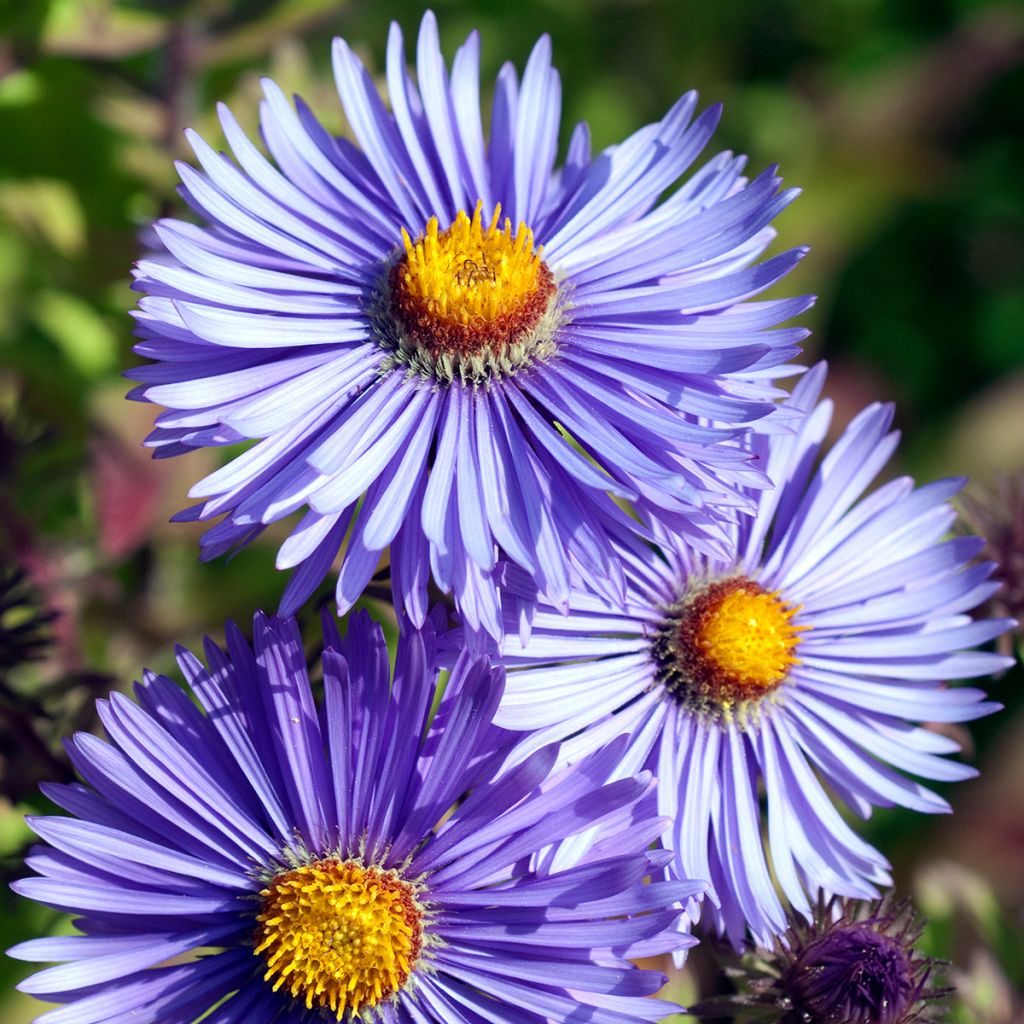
{"x":339,"y":936}
{"x":474,"y":300}
{"x":728,"y":644}
{"x":746,"y":634}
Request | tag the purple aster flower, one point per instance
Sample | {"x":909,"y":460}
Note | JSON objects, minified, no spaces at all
{"x":457,"y":349}
{"x":327,"y":862}
{"x":804,"y":657}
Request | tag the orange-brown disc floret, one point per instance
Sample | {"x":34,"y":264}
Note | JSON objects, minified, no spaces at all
{"x":471,"y":291}
{"x":726,"y":645}
{"x":339,"y":936}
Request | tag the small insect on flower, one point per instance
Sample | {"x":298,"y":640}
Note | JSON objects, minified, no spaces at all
{"x":473,"y":273}
{"x":853,"y":962}
{"x":256,"y":856}
{"x":456,"y":348}
{"x":809,"y":654}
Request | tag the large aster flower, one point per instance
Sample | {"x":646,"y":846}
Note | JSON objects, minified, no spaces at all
{"x":416,"y":327}
{"x":307,"y":862}
{"x":795,"y":667}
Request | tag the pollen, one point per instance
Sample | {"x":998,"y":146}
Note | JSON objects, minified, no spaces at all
{"x":727,"y":645}
{"x":339,"y":936}
{"x":474,"y":300}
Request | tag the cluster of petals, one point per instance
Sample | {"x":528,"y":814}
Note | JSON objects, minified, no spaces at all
{"x":586,"y":486}
{"x":882,"y":597}
{"x":264,"y":323}
{"x":189,"y":807}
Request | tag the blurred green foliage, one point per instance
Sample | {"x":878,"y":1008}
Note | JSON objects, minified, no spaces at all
{"x":902,"y":121}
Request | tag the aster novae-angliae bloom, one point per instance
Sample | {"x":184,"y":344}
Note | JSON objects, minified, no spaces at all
{"x":804,"y":657}
{"x":308,"y":862}
{"x":852,"y":962}
{"x":422,"y":321}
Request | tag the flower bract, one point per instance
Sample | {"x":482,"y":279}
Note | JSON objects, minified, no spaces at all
{"x":850,"y":962}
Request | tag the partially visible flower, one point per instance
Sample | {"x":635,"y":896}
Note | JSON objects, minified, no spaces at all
{"x":29,"y":742}
{"x":853,"y":962}
{"x":36,"y":708}
{"x":24,"y":625}
{"x":806,"y":655}
{"x":458,"y":348}
{"x":343,"y":860}
{"x":996,"y":513}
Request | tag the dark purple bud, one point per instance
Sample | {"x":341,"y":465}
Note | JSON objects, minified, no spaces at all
{"x":852,"y":962}
{"x":852,"y":975}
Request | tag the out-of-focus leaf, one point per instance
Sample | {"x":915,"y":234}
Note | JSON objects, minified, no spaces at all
{"x":22,"y":23}
{"x":14,"y":255}
{"x":14,"y":833}
{"x":984,"y":992}
{"x":46,"y":209}
{"x":240,"y":36}
{"x":987,"y":434}
{"x":945,"y":888}
{"x":57,"y":136}
{"x":19,"y":88}
{"x":99,"y":28}
{"x":79,"y":331}
{"x":999,"y":330}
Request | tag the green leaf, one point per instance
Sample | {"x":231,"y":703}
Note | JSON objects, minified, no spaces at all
{"x":79,"y":331}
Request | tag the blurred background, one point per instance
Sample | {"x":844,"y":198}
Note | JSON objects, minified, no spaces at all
{"x":903,"y":121}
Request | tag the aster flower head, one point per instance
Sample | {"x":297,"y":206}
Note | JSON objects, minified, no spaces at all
{"x":340,"y":860}
{"x":459,"y":349}
{"x":802,"y":660}
{"x":852,"y":962}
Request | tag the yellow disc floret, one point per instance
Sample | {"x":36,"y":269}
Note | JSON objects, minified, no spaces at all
{"x":747,"y":635}
{"x":726,"y":646}
{"x":472,"y":296}
{"x":339,"y":936}
{"x":470,"y":274}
